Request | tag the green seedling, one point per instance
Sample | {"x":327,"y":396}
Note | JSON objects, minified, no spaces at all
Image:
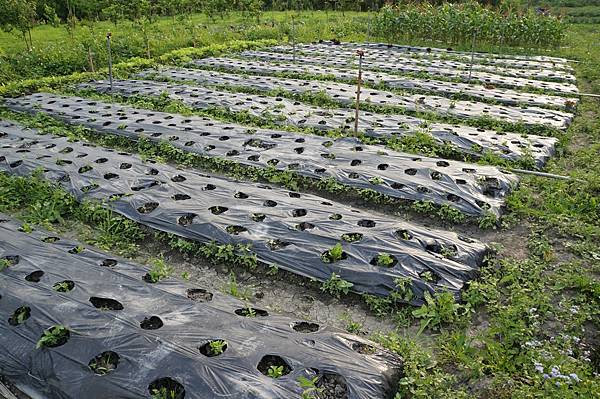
{"x":309,"y":386}
{"x":334,"y":254}
{"x":52,"y":336}
{"x":163,"y":393}
{"x":217,"y":347}
{"x":336,"y":285}
{"x":384,"y":259}
{"x":275,"y":371}
{"x":160,"y":270}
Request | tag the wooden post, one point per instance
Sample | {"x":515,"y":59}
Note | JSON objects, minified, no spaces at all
{"x":110,"y":71}
{"x":360,"y":54}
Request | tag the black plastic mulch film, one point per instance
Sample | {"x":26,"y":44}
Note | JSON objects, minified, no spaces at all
{"x":348,"y":73}
{"x":127,"y":337}
{"x":395,"y":64}
{"x":345,"y":95}
{"x":469,"y":140}
{"x":472,"y":189}
{"x":291,"y":230}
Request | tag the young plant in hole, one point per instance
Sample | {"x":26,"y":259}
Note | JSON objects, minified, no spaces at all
{"x":217,"y":347}
{"x":336,"y":285}
{"x":52,"y":336}
{"x":275,"y":371}
{"x":63,"y":286}
{"x":384,"y":259}
{"x":104,"y":363}
{"x":309,"y":386}
{"x":334,"y":254}
{"x":163,"y":393}
{"x":4,"y":264}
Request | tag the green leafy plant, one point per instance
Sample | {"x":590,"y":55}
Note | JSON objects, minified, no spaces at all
{"x":309,"y":387}
{"x":336,"y":285}
{"x":275,"y":371}
{"x":52,"y":336}
{"x":217,"y":347}
{"x":159,"y":270}
{"x":334,"y":254}
{"x":384,"y":259}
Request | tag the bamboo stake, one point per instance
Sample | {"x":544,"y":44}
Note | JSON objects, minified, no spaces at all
{"x":110,"y":71}
{"x":360,"y":54}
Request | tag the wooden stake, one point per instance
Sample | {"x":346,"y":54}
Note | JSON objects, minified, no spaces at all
{"x":360,"y":54}
{"x":110,"y":71}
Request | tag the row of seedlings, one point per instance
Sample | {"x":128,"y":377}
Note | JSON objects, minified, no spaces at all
{"x":325,"y":57}
{"x":304,"y":67}
{"x":345,"y":95}
{"x":78,"y":323}
{"x":281,"y":111}
{"x":474,"y":190}
{"x":300,"y":233}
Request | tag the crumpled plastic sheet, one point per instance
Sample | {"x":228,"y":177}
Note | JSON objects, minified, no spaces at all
{"x":190,"y":316}
{"x":499,"y":95}
{"x":291,"y":230}
{"x":342,"y":58}
{"x":469,"y":140}
{"x":345,"y":94}
{"x":546,"y":74}
{"x":384,"y":49}
{"x":472,"y":189}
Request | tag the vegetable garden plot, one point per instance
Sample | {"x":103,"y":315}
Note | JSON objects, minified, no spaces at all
{"x":469,"y":140}
{"x":383,"y":49}
{"x":410,"y":67}
{"x":472,"y":189}
{"x":433,"y":64}
{"x":301,"y":233}
{"x":117,"y":335}
{"x":499,"y":95}
{"x":345,"y":94}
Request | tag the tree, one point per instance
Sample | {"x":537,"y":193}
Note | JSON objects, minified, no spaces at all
{"x":19,"y":15}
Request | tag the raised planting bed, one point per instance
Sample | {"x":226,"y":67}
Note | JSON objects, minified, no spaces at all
{"x":382,"y":79}
{"x":301,"y":233}
{"x":282,"y":111}
{"x":473,"y":189}
{"x":325,"y":57}
{"x":430,"y":65}
{"x":345,"y":95}
{"x":391,"y":50}
{"x":90,"y":326}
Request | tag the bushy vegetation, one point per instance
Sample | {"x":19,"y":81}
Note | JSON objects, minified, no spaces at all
{"x":460,"y":23}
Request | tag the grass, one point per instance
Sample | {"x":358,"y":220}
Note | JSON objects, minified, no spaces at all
{"x":528,"y":327}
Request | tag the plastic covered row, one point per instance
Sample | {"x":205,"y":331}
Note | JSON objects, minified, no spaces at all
{"x":79,"y":323}
{"x":345,"y":59}
{"x":345,"y":95}
{"x":433,"y":64}
{"x":304,"y":234}
{"x":385,"y":49}
{"x":473,"y":189}
{"x":282,"y":111}
{"x":385,"y":80}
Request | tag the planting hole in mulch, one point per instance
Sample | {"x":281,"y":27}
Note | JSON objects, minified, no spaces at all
{"x":151,"y":323}
{"x":274,"y":366}
{"x":403,"y":234}
{"x":328,"y":257}
{"x":305,"y":327}
{"x":50,"y":240}
{"x":180,"y":197}
{"x":332,"y":386}
{"x":19,"y":316}
{"x":352,"y":237}
{"x":104,"y":363}
{"x":277,"y":244}
{"x":384,"y":259}
{"x":217,"y":210}
{"x":258,"y":217}
{"x":35,"y":276}
{"x":108,"y":263}
{"x":64,"y":286}
{"x":443,"y":249}
{"x":186,"y":220}
{"x":235,"y":230}
{"x":251,"y":312}
{"x":213,"y":348}
{"x":305,"y":226}
{"x":53,"y":337}
{"x":10,"y":260}
{"x":106,"y":303}
{"x":364,"y":349}
{"x":429,"y":276}
{"x":166,"y":387}
{"x":148,"y":207}
{"x":199,"y":295}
